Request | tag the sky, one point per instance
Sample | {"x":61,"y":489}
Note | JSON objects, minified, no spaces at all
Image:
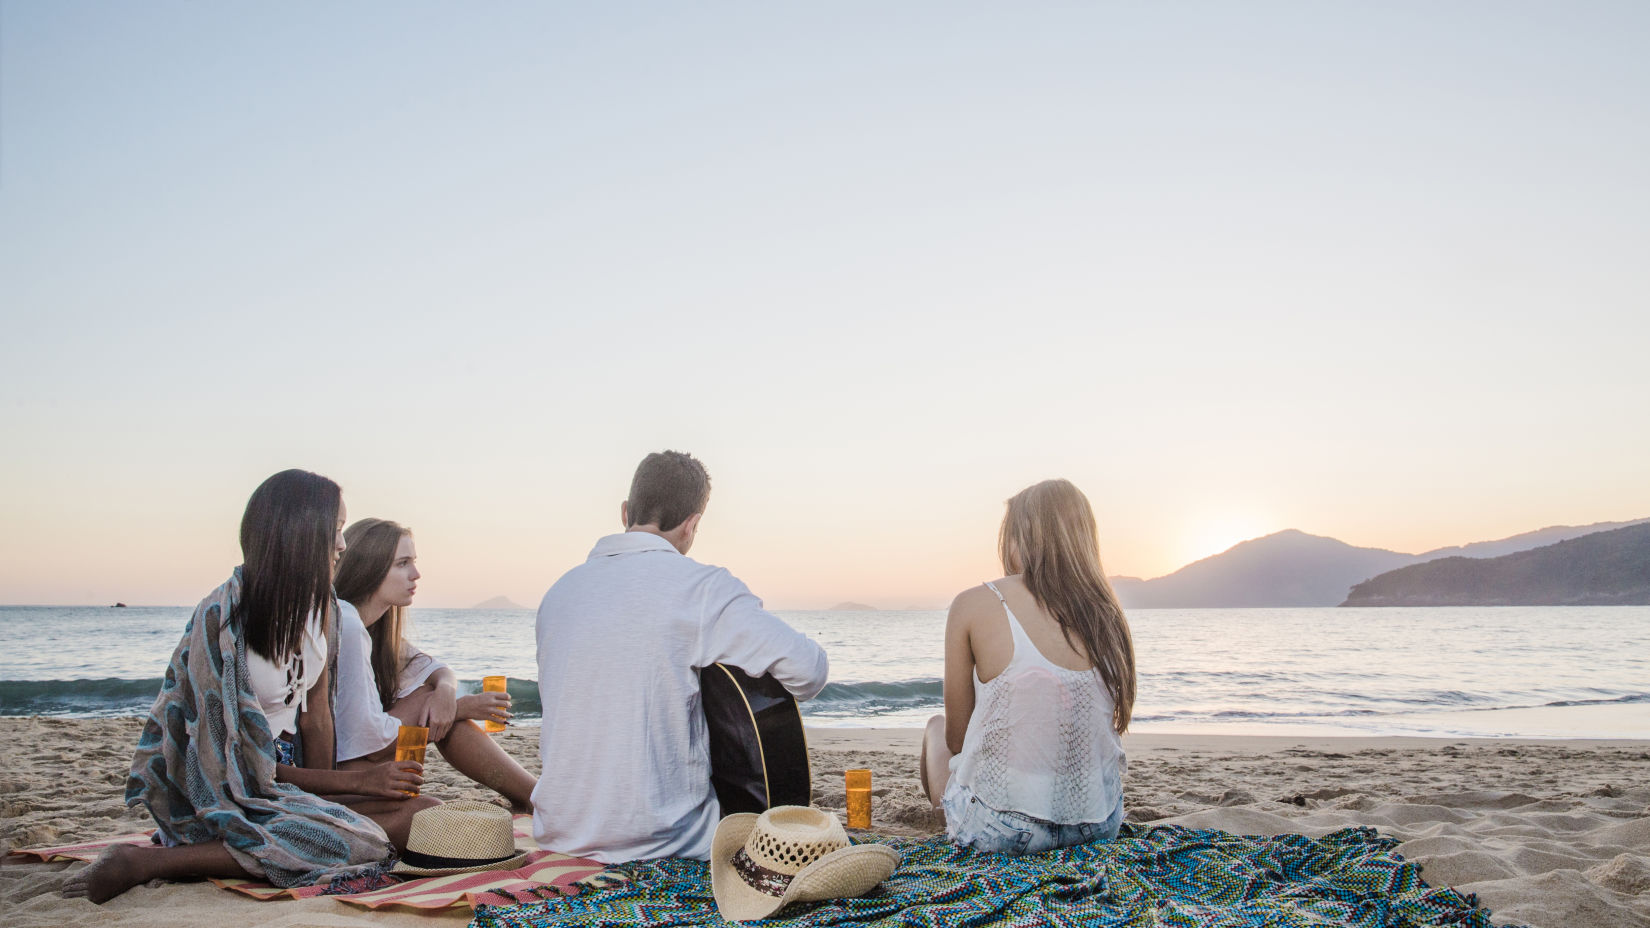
{"x":1372,"y":271}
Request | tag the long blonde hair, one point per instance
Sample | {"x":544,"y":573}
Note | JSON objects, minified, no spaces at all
{"x":1049,"y":538}
{"x":367,"y":560}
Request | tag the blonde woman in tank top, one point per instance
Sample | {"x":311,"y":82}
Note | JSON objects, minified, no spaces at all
{"x":1039,"y":686}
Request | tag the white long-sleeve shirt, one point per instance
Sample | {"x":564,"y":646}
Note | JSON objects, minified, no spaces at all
{"x":359,"y":720}
{"x":623,"y":744}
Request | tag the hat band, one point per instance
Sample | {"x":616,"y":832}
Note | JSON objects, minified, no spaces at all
{"x":432,"y":862}
{"x":760,"y":878}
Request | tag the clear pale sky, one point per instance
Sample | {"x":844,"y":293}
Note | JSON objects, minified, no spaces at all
{"x":1380,"y":272}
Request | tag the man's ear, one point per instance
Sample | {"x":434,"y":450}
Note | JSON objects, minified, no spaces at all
{"x":624,"y":513}
{"x":685,"y":533}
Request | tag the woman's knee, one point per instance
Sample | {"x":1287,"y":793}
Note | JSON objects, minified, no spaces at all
{"x":411,"y":706}
{"x":460,"y":733}
{"x":934,"y":739}
{"x":934,"y":732}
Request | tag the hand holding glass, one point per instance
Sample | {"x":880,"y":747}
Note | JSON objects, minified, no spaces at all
{"x":410,"y":743}
{"x":494,"y":684}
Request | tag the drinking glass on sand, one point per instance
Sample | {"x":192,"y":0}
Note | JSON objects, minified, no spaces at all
{"x":494,"y":684}
{"x":410,"y":743}
{"x":859,"y":797}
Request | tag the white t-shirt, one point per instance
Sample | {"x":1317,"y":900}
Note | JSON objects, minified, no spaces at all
{"x":283,"y":690}
{"x":359,"y":719}
{"x":623,"y":744}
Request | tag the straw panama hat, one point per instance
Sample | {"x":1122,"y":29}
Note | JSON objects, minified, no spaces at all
{"x":460,"y":837}
{"x":761,"y":863}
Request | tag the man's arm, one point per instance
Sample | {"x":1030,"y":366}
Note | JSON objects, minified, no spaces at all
{"x":742,"y":634}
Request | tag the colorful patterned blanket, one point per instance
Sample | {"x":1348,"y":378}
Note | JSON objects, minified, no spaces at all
{"x":1158,"y":876}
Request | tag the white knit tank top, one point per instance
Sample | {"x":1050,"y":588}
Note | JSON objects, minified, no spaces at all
{"x":1040,"y":741}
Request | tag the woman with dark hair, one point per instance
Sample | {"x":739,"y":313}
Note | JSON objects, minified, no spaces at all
{"x":385,"y":682}
{"x":238,"y":748}
{"x":1039,"y":687}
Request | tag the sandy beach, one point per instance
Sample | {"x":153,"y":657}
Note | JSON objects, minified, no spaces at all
{"x":1554,"y":834}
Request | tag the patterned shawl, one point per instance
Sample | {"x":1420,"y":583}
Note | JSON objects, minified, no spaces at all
{"x":205,"y":766}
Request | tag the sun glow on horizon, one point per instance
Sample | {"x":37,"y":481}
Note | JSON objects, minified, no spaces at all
{"x":1218,"y":533}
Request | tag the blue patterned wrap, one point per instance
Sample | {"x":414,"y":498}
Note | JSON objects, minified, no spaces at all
{"x":205,"y":767}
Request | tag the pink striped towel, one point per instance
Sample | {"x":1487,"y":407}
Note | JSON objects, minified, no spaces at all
{"x":546,"y":873}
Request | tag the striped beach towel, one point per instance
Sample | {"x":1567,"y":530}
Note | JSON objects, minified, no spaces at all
{"x":545,"y":874}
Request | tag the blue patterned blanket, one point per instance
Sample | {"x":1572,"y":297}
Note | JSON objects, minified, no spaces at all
{"x":1150,"y":876}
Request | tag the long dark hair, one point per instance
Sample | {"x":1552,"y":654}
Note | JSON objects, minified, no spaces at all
{"x":371,"y":553}
{"x":1049,"y":538}
{"x":287,"y":538}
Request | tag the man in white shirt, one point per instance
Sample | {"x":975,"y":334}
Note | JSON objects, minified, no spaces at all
{"x":621,"y":640}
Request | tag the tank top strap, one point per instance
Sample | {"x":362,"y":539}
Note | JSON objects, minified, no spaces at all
{"x":1023,"y":648}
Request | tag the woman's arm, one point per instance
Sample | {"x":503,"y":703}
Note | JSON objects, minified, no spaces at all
{"x":319,"y":782}
{"x":959,"y":673}
{"x":484,"y":707}
{"x":315,"y":725}
{"x":394,"y":780}
{"x":316,"y":733}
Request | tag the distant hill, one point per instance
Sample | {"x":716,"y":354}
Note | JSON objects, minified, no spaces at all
{"x":852,"y":607}
{"x":1292,"y":568}
{"x":1288,"y":568}
{"x":1609,"y":568}
{"x":1540,"y":538}
{"x":497,"y":602}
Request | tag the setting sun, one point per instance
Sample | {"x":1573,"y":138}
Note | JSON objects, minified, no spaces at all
{"x":1211,"y":536}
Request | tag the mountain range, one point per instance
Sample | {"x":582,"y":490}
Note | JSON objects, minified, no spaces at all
{"x":1293,"y":568}
{"x":1602,"y":569}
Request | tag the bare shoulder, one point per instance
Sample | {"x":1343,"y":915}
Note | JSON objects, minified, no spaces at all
{"x":972,"y":602}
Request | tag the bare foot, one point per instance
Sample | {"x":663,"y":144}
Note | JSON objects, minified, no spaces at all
{"x":116,"y":870}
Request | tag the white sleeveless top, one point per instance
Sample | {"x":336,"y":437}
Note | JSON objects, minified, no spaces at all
{"x":1040,"y":741}
{"x":283,"y":691}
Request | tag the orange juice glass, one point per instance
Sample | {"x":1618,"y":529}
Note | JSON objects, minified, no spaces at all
{"x":858,"y":783}
{"x":494,"y":684}
{"x":410,"y":743}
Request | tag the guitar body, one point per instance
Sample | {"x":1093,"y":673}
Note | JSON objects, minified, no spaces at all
{"x":758,"y":752}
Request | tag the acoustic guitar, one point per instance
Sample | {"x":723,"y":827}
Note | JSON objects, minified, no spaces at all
{"x":758,"y":752}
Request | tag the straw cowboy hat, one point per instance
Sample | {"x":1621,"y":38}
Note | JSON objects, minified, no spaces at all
{"x":460,"y":837}
{"x":761,"y":863}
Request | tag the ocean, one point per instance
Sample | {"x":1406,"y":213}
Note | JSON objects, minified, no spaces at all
{"x":1573,"y":672}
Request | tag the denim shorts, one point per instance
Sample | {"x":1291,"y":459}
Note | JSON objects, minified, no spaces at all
{"x":973,"y":823}
{"x":285,"y":752}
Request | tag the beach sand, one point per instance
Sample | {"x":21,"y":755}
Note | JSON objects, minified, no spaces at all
{"x":1554,"y":834}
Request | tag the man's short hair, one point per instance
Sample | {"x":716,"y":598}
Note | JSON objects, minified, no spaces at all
{"x":668,"y":489}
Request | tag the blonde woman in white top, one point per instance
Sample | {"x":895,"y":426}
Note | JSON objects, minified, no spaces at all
{"x":384,"y":681}
{"x":1039,"y":687}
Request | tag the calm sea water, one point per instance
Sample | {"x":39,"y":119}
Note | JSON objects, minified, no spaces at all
{"x":1497,"y":672}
